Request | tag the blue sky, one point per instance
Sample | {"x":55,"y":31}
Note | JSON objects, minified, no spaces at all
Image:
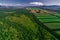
{"x":29,"y":2}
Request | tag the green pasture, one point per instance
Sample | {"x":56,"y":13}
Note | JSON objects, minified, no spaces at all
{"x":52,"y":25}
{"x":50,"y":20}
{"x":58,"y":32}
{"x":57,"y":14}
{"x":47,"y":17}
{"x":42,"y":14}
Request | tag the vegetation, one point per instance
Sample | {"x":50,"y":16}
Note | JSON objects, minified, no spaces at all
{"x":51,"y":21}
{"x":19,"y":24}
{"x":53,"y":25}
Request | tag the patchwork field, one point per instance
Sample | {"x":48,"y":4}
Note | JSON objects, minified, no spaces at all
{"x":50,"y":20}
{"x":19,"y":24}
{"x":44,"y":15}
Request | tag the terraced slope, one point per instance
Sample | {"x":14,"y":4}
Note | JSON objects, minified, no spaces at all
{"x":19,"y":25}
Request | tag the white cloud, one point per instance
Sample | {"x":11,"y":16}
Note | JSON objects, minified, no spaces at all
{"x":36,"y":3}
{"x":4,"y":4}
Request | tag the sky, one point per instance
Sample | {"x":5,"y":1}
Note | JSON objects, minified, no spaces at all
{"x":29,"y":2}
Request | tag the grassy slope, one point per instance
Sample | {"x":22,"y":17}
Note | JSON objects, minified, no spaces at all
{"x":19,"y":25}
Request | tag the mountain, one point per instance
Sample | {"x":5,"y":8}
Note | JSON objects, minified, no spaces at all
{"x":14,"y":7}
{"x":52,"y":6}
{"x":44,"y":6}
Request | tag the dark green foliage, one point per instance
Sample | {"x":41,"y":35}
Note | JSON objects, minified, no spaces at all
{"x":18,"y":24}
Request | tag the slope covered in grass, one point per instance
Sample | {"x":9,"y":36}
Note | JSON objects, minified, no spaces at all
{"x":20,"y":25}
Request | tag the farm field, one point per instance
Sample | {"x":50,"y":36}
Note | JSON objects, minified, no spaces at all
{"x":53,"y":25}
{"x":57,"y":14}
{"x":51,"y":21}
{"x":44,"y":15}
{"x":19,"y":24}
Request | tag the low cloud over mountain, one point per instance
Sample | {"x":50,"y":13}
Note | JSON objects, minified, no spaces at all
{"x":36,"y":3}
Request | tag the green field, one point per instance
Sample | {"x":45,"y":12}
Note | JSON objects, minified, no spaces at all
{"x":44,"y":15}
{"x":51,"y":21}
{"x":58,"y":32}
{"x":53,"y":25}
{"x":57,"y":14}
{"x":19,"y":24}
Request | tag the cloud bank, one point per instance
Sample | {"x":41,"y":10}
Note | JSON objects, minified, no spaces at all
{"x":36,"y":3}
{"x":20,"y":4}
{"x":3,"y":4}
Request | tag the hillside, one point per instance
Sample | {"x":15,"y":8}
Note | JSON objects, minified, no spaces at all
{"x":19,"y":24}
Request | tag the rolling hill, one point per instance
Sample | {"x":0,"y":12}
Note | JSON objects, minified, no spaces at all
{"x":19,"y":24}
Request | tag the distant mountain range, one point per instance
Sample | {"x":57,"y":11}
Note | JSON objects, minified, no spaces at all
{"x":51,"y":6}
{"x":10,"y":7}
{"x":48,"y":7}
{"x":55,"y":8}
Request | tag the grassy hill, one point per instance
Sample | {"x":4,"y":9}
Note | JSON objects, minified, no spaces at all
{"x":19,"y":24}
